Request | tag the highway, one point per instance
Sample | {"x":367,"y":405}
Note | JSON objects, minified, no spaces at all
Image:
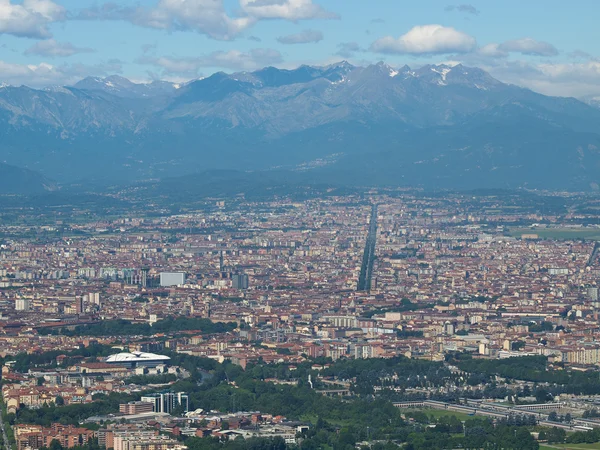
{"x":366,"y":269}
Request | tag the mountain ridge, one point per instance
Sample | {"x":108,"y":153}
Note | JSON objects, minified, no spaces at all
{"x":273,"y":118}
{"x":18,"y":180}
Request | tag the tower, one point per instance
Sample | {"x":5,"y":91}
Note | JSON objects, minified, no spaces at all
{"x":239,"y":281}
{"x":79,"y":305}
{"x":145,"y":271}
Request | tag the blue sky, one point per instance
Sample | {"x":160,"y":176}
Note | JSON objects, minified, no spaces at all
{"x":549,"y":46}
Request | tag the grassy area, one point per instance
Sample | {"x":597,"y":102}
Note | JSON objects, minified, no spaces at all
{"x":313,"y":419}
{"x":570,"y":446}
{"x":559,"y":233}
{"x":437,"y":413}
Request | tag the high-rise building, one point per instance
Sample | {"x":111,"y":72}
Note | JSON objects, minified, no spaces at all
{"x":79,"y":308}
{"x":239,"y":281}
{"x":94,"y":298}
{"x":135,"y":408}
{"x":145,"y":271}
{"x":22,"y":304}
{"x":166,"y":402}
{"x":128,"y":275}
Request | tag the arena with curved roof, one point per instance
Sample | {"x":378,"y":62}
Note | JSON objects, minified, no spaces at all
{"x":138,"y":359}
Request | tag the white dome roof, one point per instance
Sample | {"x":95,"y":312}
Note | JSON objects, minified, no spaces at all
{"x":136,"y":357}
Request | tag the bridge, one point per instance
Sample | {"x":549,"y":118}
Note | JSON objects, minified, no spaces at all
{"x":406,"y":405}
{"x":540,"y":406}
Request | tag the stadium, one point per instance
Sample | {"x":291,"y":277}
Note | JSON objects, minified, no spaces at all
{"x":137,"y":359}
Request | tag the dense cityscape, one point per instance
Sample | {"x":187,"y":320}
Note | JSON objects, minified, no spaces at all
{"x":299,"y":225}
{"x":181,"y":331}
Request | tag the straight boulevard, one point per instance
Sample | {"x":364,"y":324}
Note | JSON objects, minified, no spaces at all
{"x":366,"y":269}
{"x":5,"y":443}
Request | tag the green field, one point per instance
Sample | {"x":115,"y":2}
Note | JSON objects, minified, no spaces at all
{"x":313,"y":419}
{"x":570,"y":446}
{"x":437,"y":413}
{"x":559,"y":233}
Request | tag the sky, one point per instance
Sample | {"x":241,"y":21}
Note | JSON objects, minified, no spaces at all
{"x":550,"y":46}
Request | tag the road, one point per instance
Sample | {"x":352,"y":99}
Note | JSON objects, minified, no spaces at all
{"x":366,"y":269}
{"x":5,"y":442}
{"x":594,"y":254}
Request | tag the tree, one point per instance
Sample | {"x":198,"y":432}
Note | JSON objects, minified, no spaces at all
{"x":55,"y":445}
{"x":543,"y":436}
{"x":556,"y":435}
{"x":542,"y":396}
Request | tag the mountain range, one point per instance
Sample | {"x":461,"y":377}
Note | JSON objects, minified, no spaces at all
{"x":16,"y":180}
{"x":437,"y":127}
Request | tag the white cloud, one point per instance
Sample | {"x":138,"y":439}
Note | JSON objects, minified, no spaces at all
{"x":576,"y":79}
{"x":491,"y":51}
{"x":45,"y":74}
{"x":348,"y":49}
{"x":427,"y":40}
{"x":562,"y":79}
{"x":207,"y":17}
{"x":229,"y":60}
{"x":29,"y":18}
{"x":174,"y":65}
{"x":304,"y":37}
{"x":52,"y":48}
{"x":529,"y":46}
{"x":203,"y":16}
{"x":293,"y":10}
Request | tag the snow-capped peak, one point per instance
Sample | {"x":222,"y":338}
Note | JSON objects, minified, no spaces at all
{"x":342,"y":79}
{"x":339,"y":65}
{"x":57,"y":88}
{"x":387,"y":68}
{"x":443,"y":71}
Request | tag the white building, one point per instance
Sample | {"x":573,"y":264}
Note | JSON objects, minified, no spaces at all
{"x":172,"y":279}
{"x":22,"y":304}
{"x":137,"y":359}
